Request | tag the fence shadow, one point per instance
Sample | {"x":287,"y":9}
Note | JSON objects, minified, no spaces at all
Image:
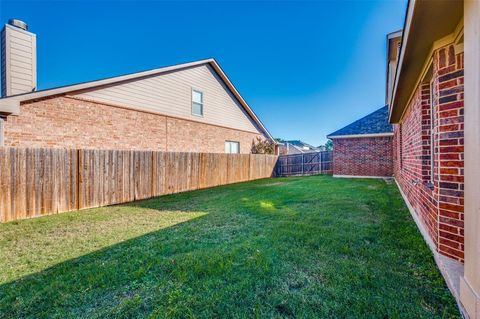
{"x":156,"y":265}
{"x":40,"y":181}
{"x":254,"y":249}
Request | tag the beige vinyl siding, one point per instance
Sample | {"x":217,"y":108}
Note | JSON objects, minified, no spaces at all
{"x":171,"y":94}
{"x":18,"y":61}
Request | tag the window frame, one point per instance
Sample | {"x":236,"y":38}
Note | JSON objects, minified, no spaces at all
{"x":202,"y":104}
{"x":230,"y":142}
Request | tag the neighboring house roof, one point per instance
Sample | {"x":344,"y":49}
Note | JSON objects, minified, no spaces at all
{"x":300,"y":144}
{"x":375,"y":123}
{"x":298,"y":147}
{"x":291,"y":149}
{"x":11,"y":104}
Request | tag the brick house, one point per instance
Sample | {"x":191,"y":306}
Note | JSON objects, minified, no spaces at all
{"x":433,"y":97}
{"x":364,"y":148}
{"x":187,"y":107}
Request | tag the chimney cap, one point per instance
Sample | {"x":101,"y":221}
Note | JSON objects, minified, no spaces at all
{"x":18,"y":23}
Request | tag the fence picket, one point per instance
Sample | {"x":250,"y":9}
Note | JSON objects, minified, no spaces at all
{"x":39,"y":181}
{"x":305,"y":164}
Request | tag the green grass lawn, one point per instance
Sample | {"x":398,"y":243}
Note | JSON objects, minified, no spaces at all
{"x":288,"y":247}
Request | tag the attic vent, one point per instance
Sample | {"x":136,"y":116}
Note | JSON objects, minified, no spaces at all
{"x":18,"y":23}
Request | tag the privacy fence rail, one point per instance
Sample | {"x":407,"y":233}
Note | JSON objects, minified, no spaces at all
{"x":41,"y":181}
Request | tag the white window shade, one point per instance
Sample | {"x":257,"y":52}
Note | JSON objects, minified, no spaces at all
{"x":232,"y":147}
{"x":197,"y":103}
{"x":235,"y":147}
{"x":197,"y":97}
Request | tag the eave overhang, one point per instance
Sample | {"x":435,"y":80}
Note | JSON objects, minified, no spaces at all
{"x":11,"y":107}
{"x":390,"y":38}
{"x":426,"y":21}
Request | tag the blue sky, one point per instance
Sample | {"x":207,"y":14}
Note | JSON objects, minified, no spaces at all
{"x":306,"y":68}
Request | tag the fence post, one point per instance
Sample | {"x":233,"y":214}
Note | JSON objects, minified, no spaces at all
{"x":303,"y":164}
{"x":78,"y":177}
{"x":249,"y":167}
{"x":320,"y":167}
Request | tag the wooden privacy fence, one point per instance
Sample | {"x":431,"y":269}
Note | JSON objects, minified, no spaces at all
{"x":305,"y":164}
{"x":40,"y":181}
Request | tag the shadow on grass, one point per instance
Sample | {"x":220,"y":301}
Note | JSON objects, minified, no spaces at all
{"x":163,"y":271}
{"x":305,"y":247}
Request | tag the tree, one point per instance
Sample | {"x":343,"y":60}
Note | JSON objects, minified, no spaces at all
{"x":329,"y":145}
{"x":262,"y":146}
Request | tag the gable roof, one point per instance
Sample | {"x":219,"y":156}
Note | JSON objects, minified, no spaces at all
{"x":375,"y":123}
{"x":11,"y":104}
{"x":297,"y":147}
{"x":300,"y":143}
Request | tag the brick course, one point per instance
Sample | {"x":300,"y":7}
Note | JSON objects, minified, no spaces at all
{"x":365,"y":156}
{"x":439,"y":205}
{"x":71,"y":123}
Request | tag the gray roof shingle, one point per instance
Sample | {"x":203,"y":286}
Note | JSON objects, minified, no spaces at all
{"x":299,"y":143}
{"x":374,"y":123}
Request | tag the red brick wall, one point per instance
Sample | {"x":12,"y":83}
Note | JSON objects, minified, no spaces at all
{"x":438,"y":205}
{"x":366,"y":156}
{"x":72,"y":123}
{"x":412,"y":164}
{"x":198,"y":137}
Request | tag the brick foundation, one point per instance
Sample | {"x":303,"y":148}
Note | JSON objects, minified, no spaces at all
{"x":72,"y":123}
{"x":366,"y":156}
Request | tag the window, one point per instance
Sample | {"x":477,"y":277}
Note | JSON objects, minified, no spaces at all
{"x":197,"y":103}
{"x":232,"y":147}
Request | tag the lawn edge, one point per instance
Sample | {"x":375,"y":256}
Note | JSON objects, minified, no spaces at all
{"x":450,"y":269}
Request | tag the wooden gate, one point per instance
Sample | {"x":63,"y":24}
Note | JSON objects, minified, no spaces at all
{"x":305,"y":164}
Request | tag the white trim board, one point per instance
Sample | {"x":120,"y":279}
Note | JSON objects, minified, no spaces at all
{"x":450,"y":269}
{"x":394,"y":34}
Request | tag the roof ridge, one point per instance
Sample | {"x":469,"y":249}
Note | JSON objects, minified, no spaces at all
{"x":11,"y":104}
{"x":131,"y":75}
{"x":361,"y":126}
